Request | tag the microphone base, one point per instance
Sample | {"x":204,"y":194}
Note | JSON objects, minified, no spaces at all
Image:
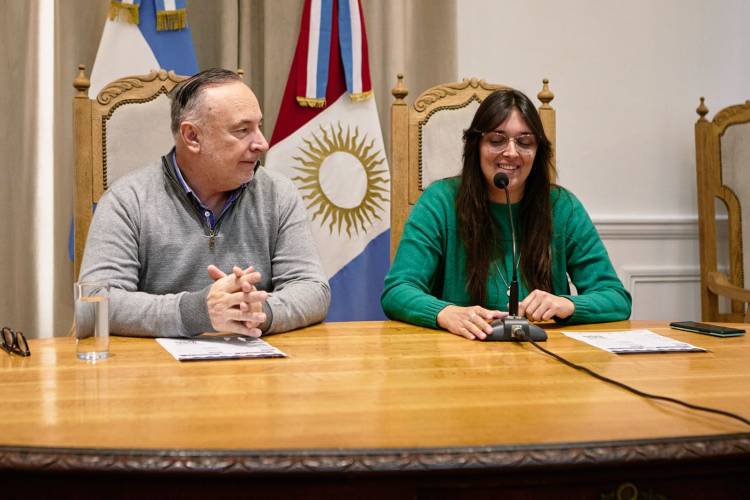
{"x":515,"y":329}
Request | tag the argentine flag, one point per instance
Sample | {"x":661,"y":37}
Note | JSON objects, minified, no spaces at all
{"x":329,"y":142}
{"x":128,"y":48}
{"x":137,"y":48}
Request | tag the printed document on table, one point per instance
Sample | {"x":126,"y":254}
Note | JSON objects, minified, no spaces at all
{"x":633,"y":342}
{"x":220,"y":347}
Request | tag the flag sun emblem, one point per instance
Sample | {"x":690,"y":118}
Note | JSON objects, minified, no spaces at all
{"x":343,"y":179}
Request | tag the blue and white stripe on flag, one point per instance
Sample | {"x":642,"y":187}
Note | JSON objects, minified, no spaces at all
{"x":136,"y":49}
{"x":351,"y":44}
{"x":319,"y":49}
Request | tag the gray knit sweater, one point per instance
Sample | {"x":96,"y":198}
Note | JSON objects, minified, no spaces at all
{"x":150,"y":242}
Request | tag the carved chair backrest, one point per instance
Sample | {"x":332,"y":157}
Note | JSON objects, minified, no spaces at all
{"x":125,"y":127}
{"x":427,"y":138}
{"x":722,"y":148}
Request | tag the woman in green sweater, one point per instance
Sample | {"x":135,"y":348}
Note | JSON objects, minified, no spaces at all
{"x":454,"y":263}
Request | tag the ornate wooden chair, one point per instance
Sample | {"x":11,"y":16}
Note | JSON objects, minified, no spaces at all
{"x":426,"y":138}
{"x":125,"y":127}
{"x":722,"y":160}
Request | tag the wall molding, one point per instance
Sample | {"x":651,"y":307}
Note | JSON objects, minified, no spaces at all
{"x":672,"y":227}
{"x":636,"y":245}
{"x":647,"y":228}
{"x":632,"y":276}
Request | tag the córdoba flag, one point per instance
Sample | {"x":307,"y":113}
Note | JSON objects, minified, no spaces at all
{"x":329,"y":142}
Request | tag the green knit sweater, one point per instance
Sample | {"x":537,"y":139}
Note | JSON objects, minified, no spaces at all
{"x":429,"y":270}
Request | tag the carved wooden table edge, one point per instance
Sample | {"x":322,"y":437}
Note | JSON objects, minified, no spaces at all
{"x":391,"y":460}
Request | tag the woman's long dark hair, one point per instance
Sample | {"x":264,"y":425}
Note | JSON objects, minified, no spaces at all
{"x":472,"y":202}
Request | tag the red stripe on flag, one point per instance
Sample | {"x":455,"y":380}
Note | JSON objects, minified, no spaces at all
{"x":301,"y":50}
{"x":366,"y":82}
{"x":291,"y":115}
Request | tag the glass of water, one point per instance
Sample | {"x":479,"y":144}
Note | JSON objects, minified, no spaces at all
{"x":91,"y":320}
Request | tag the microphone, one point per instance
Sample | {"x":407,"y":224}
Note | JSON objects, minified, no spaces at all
{"x":501,"y":180}
{"x":513,"y":327}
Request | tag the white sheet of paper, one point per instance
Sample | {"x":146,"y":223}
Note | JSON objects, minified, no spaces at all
{"x":632,"y":341}
{"x":222,"y":347}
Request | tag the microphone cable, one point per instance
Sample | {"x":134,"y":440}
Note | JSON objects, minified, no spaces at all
{"x":637,"y":391}
{"x":501,"y":181}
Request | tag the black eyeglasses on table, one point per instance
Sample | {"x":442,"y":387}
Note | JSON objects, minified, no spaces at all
{"x":14,"y":342}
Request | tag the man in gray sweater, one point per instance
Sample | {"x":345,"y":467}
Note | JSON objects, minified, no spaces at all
{"x":205,"y":240}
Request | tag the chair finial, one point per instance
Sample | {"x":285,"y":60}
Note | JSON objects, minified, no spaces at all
{"x":241,"y":73}
{"x":399,"y":91}
{"x":81,"y":82}
{"x":702,"y":110}
{"x":545,"y":95}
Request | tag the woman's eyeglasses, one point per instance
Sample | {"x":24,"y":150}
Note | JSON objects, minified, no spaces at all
{"x":499,"y":142}
{"x":14,"y":342}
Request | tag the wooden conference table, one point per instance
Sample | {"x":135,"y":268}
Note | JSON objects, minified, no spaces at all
{"x":375,"y":409}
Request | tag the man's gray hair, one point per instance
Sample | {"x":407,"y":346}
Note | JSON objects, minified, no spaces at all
{"x":186,"y":94}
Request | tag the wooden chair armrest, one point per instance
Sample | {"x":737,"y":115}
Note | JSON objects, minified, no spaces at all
{"x":719,"y":284}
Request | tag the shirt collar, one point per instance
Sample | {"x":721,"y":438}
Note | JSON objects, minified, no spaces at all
{"x":189,"y":191}
{"x":178,"y":173}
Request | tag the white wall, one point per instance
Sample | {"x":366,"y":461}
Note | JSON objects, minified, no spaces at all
{"x":627,"y":77}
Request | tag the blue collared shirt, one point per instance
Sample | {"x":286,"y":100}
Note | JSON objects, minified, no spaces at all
{"x":208,"y":215}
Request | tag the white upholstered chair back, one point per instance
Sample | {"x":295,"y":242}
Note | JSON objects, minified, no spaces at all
{"x":136,"y":136}
{"x":125,"y":127}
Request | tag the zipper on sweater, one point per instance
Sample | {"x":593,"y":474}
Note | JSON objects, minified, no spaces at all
{"x":213,"y":233}
{"x":211,"y":239}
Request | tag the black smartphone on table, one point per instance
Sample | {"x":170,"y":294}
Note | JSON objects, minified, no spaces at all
{"x":707,"y":329}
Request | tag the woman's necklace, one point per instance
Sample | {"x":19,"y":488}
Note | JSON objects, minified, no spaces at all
{"x":505,"y":282}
